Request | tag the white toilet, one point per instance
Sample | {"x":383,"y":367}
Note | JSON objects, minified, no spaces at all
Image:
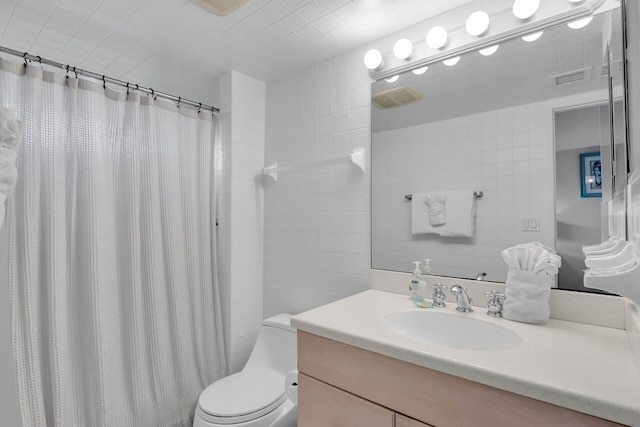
{"x":255,"y":396}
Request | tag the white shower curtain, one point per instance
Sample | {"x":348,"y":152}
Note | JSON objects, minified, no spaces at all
{"x":115,"y":310}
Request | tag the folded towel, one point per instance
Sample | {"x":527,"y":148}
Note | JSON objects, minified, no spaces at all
{"x":461,"y":214}
{"x":10,"y":139}
{"x":436,"y":203}
{"x":527,"y":297}
{"x":420,"y":215}
{"x":532,"y":267}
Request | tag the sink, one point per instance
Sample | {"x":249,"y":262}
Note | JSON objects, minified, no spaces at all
{"x":451,"y":330}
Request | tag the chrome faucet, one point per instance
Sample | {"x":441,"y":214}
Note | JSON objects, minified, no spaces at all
{"x":462,"y":298}
{"x":481,"y":276}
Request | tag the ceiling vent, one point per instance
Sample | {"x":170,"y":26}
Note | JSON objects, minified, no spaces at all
{"x":572,"y":76}
{"x":221,"y":7}
{"x":396,"y":97}
{"x":616,"y":67}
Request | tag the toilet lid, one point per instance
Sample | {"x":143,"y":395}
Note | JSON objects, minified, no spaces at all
{"x":247,"y":395}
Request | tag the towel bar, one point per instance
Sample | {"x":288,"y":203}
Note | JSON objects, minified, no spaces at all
{"x":477,"y":194}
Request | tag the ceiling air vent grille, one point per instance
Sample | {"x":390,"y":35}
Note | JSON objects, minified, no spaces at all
{"x":396,"y":97}
{"x":221,"y":7}
{"x":572,"y":76}
{"x":616,"y":67}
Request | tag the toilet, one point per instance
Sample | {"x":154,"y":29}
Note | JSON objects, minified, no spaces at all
{"x":256,"y":396}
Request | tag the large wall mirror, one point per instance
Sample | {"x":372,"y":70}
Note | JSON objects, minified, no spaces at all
{"x":513,"y":128}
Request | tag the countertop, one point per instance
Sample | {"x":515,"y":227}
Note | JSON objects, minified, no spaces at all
{"x":586,"y":368}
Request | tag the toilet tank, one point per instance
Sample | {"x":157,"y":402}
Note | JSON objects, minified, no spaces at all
{"x":276,"y":346}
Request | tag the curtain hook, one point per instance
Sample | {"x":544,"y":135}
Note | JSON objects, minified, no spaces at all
{"x":75,"y":71}
{"x":40,"y":62}
{"x":104,"y":82}
{"x":153,"y":94}
{"x":179,"y":100}
{"x":127,"y":88}
{"x":199,"y":107}
{"x":66,"y":71}
{"x":24,"y":56}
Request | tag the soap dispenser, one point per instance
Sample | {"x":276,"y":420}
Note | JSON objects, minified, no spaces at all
{"x":426,"y":269}
{"x":418,"y":285}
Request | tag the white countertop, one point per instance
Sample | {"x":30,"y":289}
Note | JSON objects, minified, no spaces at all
{"x":586,"y":368}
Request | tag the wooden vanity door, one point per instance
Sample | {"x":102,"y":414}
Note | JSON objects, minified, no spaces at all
{"x":322,"y":405}
{"x":402,"y":421}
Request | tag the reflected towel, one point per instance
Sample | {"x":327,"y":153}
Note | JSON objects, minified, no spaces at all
{"x":461,"y":214}
{"x":420,"y":215}
{"x":436,"y":202}
{"x":10,"y":139}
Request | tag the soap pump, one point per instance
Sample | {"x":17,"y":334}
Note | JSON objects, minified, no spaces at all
{"x":418,"y":285}
{"x":426,"y":269}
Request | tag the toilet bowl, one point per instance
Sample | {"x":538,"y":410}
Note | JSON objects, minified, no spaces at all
{"x":255,"y":396}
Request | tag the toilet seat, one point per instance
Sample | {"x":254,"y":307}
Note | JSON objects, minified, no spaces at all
{"x":242,"y":397}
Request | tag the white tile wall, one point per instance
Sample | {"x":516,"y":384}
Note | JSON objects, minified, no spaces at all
{"x":317,"y":215}
{"x":242,"y":122}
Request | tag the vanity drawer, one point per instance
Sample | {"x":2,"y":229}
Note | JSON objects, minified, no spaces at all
{"x":424,"y":394}
{"x":321,"y":405}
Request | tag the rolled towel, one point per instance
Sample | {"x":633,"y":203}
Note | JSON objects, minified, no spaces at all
{"x":436,"y":203}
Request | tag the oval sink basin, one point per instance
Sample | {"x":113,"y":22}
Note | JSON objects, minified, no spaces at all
{"x":451,"y":330}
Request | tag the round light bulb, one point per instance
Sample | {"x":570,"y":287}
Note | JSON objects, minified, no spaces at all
{"x":532,"y":37}
{"x":393,"y":79}
{"x":437,"y":38}
{"x":419,"y":71}
{"x":373,"y":59}
{"x":489,"y":50}
{"x":580,"y":23}
{"x":451,"y":61}
{"x":402,"y":49}
{"x":477,"y":23}
{"x":525,"y":9}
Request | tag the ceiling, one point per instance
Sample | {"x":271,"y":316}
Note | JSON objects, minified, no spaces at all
{"x":518,"y":73}
{"x":177,"y":47}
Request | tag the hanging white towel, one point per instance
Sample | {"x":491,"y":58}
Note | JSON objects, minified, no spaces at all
{"x":436,"y":202}
{"x":420,"y":215}
{"x":461,"y":214}
{"x":10,"y":139}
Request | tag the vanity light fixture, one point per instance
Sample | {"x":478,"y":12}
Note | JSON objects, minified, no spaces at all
{"x":393,"y":79}
{"x":451,"y":61}
{"x":477,"y":23}
{"x":437,"y":37}
{"x":489,"y":50}
{"x":373,"y":59}
{"x":525,"y":9}
{"x":532,"y":37}
{"x":575,"y":1}
{"x":580,"y":23}
{"x":403,"y":49}
{"x":419,"y":71}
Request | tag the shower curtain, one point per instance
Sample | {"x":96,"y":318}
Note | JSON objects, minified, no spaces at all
{"x":114,"y":297}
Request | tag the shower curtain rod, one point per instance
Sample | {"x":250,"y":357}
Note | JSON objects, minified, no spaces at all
{"x":106,"y":79}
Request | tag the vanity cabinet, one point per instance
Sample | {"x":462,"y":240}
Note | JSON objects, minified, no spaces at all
{"x":340,"y":383}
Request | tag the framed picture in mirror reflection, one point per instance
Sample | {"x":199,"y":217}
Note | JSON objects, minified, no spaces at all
{"x":590,"y":174}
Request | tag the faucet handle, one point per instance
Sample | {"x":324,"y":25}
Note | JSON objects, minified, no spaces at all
{"x":439,"y":297}
{"x":494,"y":304}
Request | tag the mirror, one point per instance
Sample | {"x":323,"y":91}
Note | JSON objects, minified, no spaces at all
{"x":490,"y":124}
